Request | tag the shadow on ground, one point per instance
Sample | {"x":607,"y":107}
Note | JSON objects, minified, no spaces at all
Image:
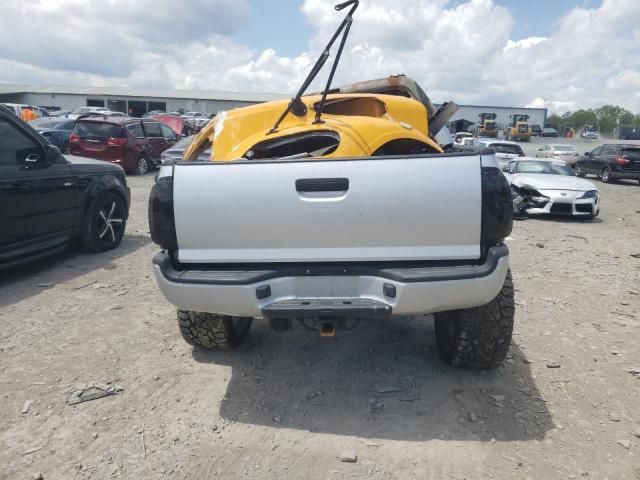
{"x":298,"y":380}
{"x":23,"y":281}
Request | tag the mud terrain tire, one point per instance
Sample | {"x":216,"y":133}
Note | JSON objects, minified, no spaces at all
{"x":209,"y":330}
{"x":478,"y":337}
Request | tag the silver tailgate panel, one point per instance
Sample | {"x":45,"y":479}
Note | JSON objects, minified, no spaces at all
{"x":395,"y":209}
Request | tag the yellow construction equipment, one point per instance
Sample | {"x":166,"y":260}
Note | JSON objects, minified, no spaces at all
{"x":518,"y":128}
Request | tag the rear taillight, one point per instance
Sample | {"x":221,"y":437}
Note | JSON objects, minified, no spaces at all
{"x":161,"y":220}
{"x":74,"y":138}
{"x":116,"y":141}
{"x":497,"y":207}
{"x":622,"y":161}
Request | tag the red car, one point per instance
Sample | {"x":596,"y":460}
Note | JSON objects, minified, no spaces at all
{"x":133,"y":143}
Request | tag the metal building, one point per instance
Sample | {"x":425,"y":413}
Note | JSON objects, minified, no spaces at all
{"x":135,"y":102}
{"x":537,"y":116}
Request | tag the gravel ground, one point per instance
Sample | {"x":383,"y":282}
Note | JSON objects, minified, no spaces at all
{"x":565,"y":404}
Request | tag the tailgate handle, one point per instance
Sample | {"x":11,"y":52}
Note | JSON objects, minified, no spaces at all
{"x":322,"y":184}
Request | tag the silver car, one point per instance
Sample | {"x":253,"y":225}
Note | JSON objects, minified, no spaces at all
{"x":559,"y":151}
{"x":505,"y":150}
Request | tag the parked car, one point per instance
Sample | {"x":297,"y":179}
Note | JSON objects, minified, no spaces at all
{"x":560,"y":151}
{"x":536,"y":130}
{"x":589,"y":133}
{"x":505,"y":151}
{"x":176,"y":152}
{"x":18,"y":108}
{"x":458,"y":137}
{"x":81,"y":111}
{"x":60,"y":113}
{"x":610,"y":162}
{"x":56,"y":130}
{"x":549,"y":186}
{"x":549,"y":132}
{"x":50,"y":200}
{"x":151,"y":113}
{"x":135,"y":144}
{"x":179,"y":125}
{"x":194,"y":115}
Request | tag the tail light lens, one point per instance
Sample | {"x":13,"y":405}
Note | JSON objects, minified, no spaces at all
{"x":622,"y":161}
{"x":74,"y":138}
{"x":161,"y":220}
{"x":497,"y":207}
{"x":116,"y":141}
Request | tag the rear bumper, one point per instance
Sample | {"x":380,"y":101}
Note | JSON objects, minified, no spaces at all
{"x":332,"y":290}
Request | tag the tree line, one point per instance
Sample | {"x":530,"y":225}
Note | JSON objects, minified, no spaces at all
{"x":604,"y":118}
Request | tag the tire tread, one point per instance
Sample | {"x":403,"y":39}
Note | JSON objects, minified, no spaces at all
{"x":483,"y":334}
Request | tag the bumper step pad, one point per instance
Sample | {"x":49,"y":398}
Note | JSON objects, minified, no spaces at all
{"x":329,"y":307}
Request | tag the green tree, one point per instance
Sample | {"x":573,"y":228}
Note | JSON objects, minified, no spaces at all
{"x":554,"y":121}
{"x":608,"y":116}
{"x":626,"y":118}
{"x":582,"y":117}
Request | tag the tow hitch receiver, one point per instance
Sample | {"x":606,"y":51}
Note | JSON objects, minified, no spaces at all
{"x":328,"y":328}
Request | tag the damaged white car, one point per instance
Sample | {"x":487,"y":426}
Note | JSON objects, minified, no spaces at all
{"x":548,"y":186}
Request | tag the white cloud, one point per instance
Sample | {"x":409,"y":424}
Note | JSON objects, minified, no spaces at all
{"x":524,"y":43}
{"x":462,"y":51}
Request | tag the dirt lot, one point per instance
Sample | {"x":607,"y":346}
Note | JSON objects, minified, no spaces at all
{"x":288,"y":405}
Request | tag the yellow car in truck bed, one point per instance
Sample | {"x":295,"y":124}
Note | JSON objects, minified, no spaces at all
{"x":352,"y":125}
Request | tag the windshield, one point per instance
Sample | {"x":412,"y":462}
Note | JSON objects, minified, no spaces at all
{"x":506,"y":148}
{"x":563,"y":148}
{"x":183,"y":143}
{"x":97,"y":130}
{"x":550,"y":168}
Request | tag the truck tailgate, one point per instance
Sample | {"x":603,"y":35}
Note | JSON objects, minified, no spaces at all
{"x":373,"y":209}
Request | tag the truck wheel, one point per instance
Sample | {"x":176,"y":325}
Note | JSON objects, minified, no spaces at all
{"x":210,"y":330}
{"x":477,"y":337}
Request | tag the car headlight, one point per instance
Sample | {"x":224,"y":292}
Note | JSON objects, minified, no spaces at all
{"x":590,"y":194}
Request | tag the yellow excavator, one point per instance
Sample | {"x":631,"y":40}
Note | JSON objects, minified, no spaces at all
{"x":487,"y":126}
{"x":518,"y":128}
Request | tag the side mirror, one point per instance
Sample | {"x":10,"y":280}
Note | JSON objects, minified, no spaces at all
{"x":587,"y":154}
{"x":52,"y":154}
{"x":505,"y":169}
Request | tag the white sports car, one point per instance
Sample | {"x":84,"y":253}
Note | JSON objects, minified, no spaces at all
{"x":548,"y":186}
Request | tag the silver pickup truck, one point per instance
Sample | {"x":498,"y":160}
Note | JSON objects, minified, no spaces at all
{"x":331,"y":241}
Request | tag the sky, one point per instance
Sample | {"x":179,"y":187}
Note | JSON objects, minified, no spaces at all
{"x":558,"y":54}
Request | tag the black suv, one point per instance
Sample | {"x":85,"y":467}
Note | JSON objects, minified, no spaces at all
{"x":610,"y":162}
{"x":48,"y":200}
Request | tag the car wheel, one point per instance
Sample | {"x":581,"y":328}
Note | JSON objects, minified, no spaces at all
{"x":210,"y":330}
{"x":605,"y":176}
{"x":578,"y":171}
{"x":143,"y":166}
{"x":478,"y":337}
{"x":105,"y":223}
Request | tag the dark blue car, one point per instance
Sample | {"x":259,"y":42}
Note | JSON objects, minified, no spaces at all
{"x":56,"y":130}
